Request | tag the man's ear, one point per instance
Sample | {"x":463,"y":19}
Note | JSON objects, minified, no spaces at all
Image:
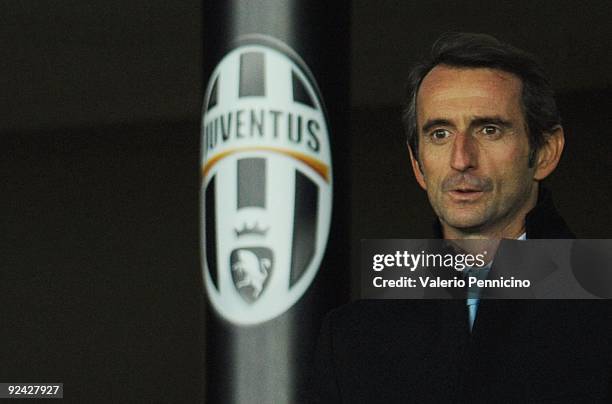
{"x":549,"y":154}
{"x":416,"y":168}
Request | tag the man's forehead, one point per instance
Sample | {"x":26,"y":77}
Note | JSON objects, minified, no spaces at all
{"x":447,"y":84}
{"x":445,"y":76}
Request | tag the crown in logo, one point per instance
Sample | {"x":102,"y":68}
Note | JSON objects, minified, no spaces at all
{"x":256,"y":230}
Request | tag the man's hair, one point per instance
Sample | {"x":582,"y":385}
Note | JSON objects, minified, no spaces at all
{"x":484,"y":51}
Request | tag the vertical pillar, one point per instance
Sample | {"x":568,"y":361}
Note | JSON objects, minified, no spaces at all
{"x":274,"y":194}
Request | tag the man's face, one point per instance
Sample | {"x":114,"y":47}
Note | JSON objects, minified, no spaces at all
{"x":474,"y":149}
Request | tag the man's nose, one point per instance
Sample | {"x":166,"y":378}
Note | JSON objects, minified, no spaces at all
{"x":464,"y":154}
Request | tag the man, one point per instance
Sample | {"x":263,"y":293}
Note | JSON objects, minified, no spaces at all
{"x":483,"y":132}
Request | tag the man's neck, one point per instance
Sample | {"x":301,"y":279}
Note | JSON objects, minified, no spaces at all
{"x":512,"y":232}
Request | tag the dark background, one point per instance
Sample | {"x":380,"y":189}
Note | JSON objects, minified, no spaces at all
{"x":99,"y":256}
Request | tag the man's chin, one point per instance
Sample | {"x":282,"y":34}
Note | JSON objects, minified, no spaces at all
{"x":465,"y":223}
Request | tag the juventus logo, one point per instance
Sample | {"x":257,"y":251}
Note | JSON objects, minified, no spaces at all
{"x":267,"y":181}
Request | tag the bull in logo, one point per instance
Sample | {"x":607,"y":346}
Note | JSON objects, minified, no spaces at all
{"x":250,"y":270}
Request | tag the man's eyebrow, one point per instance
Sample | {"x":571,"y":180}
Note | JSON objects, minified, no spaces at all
{"x":490,"y":120}
{"x":475,"y":121}
{"x":435,"y":122}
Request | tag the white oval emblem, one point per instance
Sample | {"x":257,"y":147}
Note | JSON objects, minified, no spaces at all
{"x":266,"y":195}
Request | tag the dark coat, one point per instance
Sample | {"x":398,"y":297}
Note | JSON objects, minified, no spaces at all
{"x":403,"y":351}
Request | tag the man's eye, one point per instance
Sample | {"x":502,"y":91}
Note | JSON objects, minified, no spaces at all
{"x":439,"y":134}
{"x":490,"y":130}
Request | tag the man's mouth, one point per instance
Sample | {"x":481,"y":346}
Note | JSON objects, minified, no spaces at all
{"x":465,"y":194}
